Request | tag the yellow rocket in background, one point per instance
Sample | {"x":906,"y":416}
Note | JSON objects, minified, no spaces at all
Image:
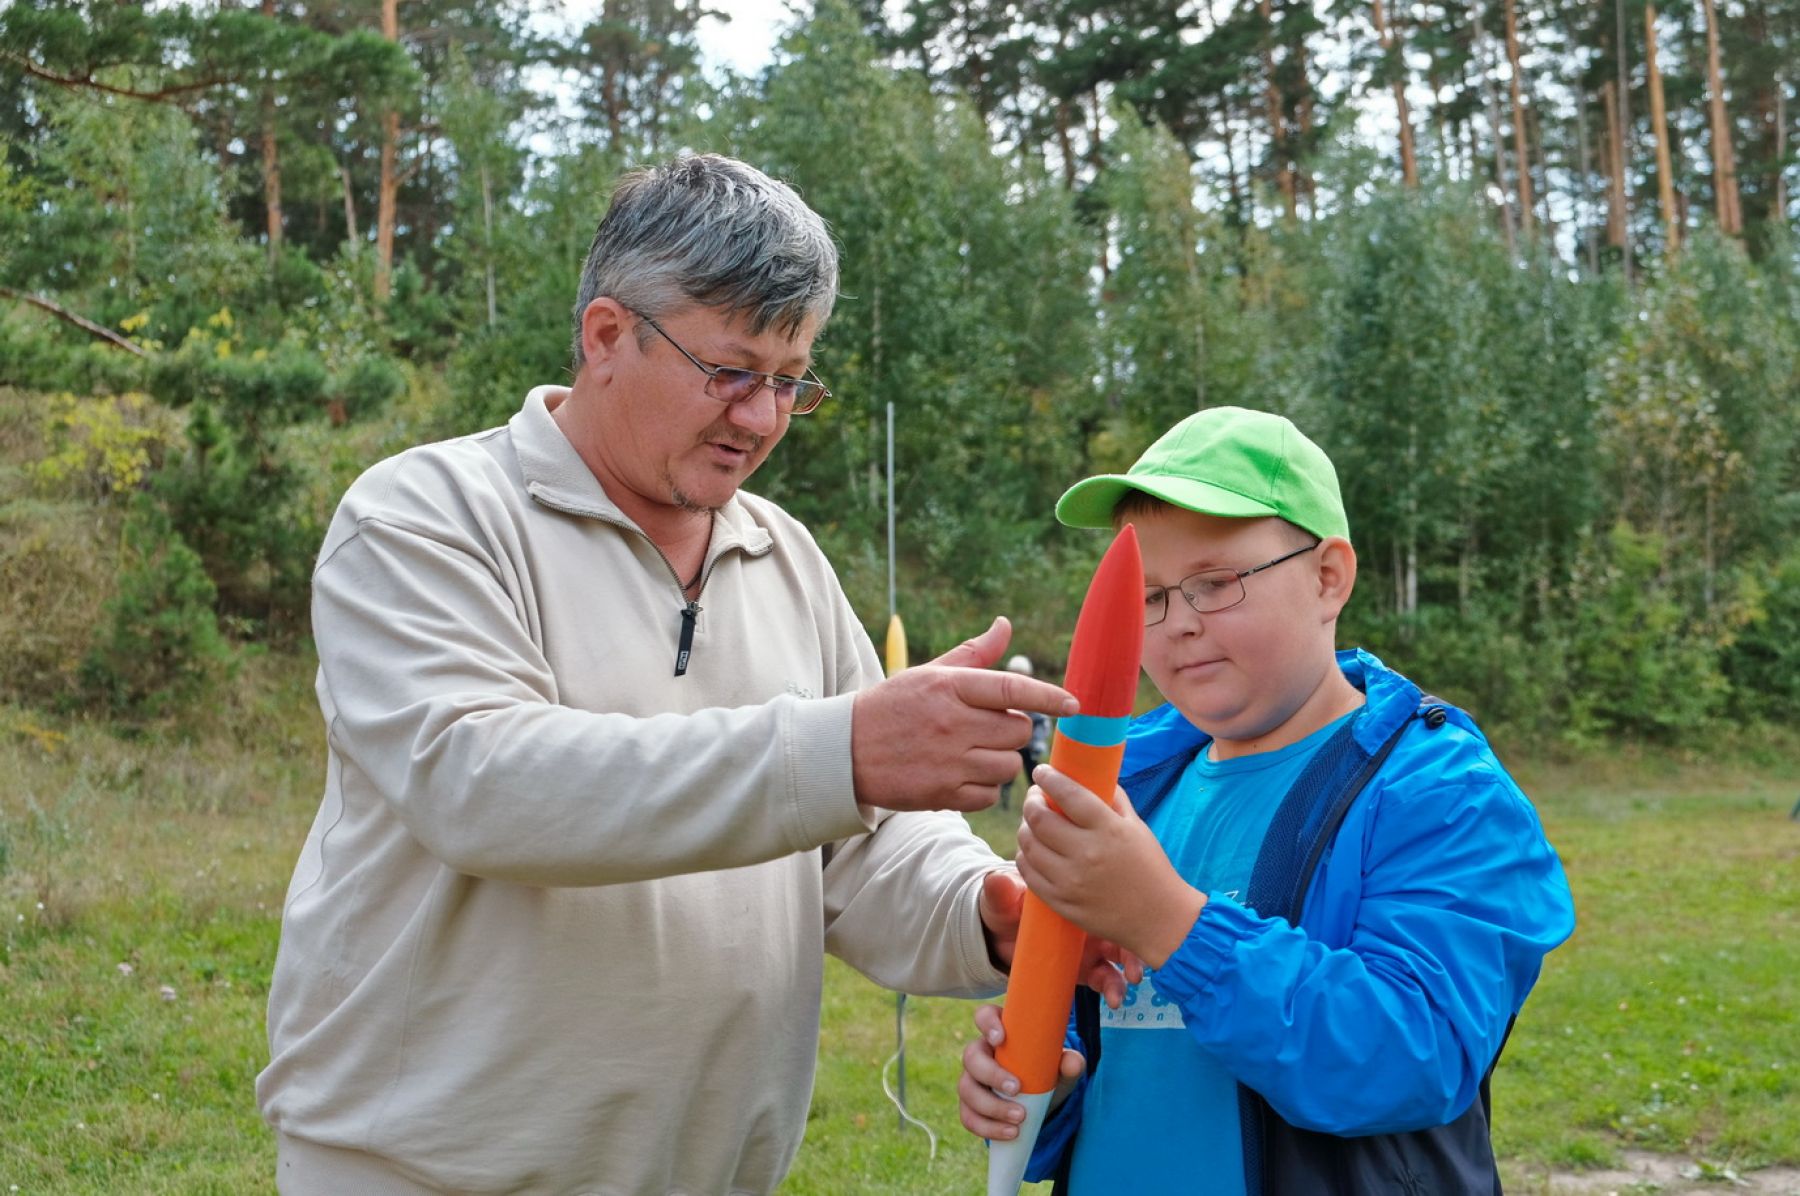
{"x":896,"y":645}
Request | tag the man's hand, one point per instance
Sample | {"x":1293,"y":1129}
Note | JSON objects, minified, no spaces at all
{"x":1002,"y":901}
{"x":984,"y":1113}
{"x":1109,"y":969}
{"x":1102,"y":869}
{"x":1105,"y":967}
{"x":946,"y":735}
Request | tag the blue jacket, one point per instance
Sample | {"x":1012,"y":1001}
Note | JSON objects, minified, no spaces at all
{"x":1365,"y":986}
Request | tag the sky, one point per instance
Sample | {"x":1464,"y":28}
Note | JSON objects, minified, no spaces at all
{"x":744,"y":43}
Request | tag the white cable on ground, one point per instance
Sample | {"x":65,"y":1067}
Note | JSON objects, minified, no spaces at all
{"x":910,"y":1119}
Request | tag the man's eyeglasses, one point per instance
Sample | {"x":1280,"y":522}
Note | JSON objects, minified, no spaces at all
{"x":1210,"y":590}
{"x":733,"y":384}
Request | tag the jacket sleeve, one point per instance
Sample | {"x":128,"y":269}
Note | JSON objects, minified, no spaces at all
{"x":434,"y":690}
{"x":1393,"y":1028}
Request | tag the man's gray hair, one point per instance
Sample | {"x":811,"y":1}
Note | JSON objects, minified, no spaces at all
{"x":709,"y":230}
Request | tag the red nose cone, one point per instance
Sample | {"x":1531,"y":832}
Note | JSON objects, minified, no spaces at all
{"x":1109,"y":634}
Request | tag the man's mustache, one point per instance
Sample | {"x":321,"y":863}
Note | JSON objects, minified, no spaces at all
{"x":748,"y":442}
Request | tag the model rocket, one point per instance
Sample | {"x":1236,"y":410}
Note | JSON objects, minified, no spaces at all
{"x":896,"y":644}
{"x":1103,"y":676}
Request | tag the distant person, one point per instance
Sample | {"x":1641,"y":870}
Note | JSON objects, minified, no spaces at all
{"x":1038,"y":746}
{"x":612,"y":765}
{"x":1340,"y":897}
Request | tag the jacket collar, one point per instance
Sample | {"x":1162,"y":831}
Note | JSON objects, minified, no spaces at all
{"x":1164,"y":733}
{"x":555,"y":476}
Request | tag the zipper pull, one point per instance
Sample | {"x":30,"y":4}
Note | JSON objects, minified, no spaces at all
{"x":684,"y":647}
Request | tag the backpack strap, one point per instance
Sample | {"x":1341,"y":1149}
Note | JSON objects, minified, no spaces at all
{"x":1325,"y":792}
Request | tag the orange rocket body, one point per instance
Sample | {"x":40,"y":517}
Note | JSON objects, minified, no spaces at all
{"x":1103,"y":675}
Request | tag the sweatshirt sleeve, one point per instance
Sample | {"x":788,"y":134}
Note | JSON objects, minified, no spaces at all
{"x":1461,"y":897}
{"x":433,"y":689}
{"x":902,"y":901}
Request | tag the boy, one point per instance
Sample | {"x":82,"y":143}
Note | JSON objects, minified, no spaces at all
{"x":1339,"y":896}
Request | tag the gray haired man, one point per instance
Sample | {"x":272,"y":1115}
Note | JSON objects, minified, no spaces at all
{"x":611,"y":762}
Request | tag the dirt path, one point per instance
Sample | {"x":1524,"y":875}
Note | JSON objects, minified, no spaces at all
{"x":1646,"y":1174}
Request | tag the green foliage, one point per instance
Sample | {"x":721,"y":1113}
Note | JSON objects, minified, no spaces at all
{"x":1638,"y":662}
{"x":1043,"y":263}
{"x":160,"y":645}
{"x":233,"y":495}
{"x":103,"y":447}
{"x":964,"y":304}
{"x":1763,"y":659}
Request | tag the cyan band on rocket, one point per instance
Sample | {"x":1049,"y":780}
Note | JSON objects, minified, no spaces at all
{"x":1093,"y":730}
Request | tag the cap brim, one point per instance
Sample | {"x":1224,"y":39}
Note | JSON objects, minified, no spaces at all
{"x":1090,"y":503}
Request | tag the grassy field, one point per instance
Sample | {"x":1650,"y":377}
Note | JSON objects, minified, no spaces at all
{"x":141,"y":880}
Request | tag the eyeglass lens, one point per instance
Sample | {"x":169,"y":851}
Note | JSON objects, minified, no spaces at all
{"x":1209,"y":592}
{"x":733,"y":385}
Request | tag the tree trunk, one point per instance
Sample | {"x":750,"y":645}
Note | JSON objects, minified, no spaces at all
{"x":1622,"y":138}
{"x":1521,"y":153}
{"x":1543,"y":166}
{"x":1781,"y":204}
{"x":1284,"y":166}
{"x":1765,"y":118}
{"x":1659,"y":133}
{"x":271,"y":160}
{"x":1492,"y":104}
{"x":388,"y":192}
{"x":1615,"y":169}
{"x":1303,"y":108}
{"x":1065,"y":145}
{"x":350,"y":234}
{"x":1409,"y":166}
{"x":1590,"y":242}
{"x":1725,"y":196}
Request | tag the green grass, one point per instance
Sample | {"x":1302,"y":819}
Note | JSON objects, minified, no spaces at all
{"x":1667,"y":1023}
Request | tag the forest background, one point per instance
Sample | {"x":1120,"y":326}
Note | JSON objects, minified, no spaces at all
{"x":1527,"y":269}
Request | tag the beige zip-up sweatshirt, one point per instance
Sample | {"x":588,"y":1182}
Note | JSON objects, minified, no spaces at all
{"x":559,"y":924}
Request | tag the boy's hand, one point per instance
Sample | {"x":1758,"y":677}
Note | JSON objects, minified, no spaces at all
{"x":983,"y":1113}
{"x":1102,"y":869}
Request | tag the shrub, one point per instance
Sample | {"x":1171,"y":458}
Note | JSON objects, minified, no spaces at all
{"x":56,"y":576}
{"x":160,"y":643}
{"x":1763,"y":660}
{"x":105,"y":446}
{"x":1638,"y":663}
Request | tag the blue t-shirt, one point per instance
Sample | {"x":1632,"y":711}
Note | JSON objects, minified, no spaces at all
{"x":1161,"y":1114}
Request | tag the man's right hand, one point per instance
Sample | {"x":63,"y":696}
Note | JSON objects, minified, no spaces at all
{"x":946,"y":735}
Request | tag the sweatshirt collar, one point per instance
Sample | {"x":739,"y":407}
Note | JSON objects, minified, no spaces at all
{"x":556,"y":477}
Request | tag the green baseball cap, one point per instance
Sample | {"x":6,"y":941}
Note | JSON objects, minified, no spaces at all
{"x":1225,"y":461}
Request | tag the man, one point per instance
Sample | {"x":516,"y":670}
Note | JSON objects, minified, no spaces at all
{"x":610,"y":762}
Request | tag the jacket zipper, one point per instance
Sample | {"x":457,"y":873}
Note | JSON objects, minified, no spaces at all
{"x":690,"y":612}
{"x":691,"y":608}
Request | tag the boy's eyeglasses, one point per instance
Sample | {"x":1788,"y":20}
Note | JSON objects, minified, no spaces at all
{"x":733,"y":384}
{"x":1210,"y":590}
